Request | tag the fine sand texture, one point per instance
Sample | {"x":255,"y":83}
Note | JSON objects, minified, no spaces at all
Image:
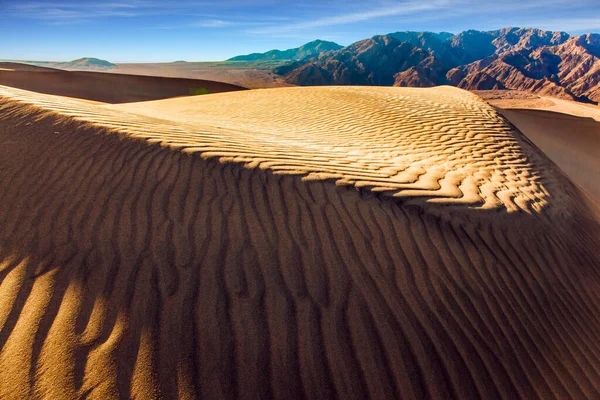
{"x":566,"y":131}
{"x":290,"y":243}
{"x":440,"y":146}
{"x":104,"y":87}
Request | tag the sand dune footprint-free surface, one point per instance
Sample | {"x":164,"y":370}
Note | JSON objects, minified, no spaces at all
{"x":290,"y":243}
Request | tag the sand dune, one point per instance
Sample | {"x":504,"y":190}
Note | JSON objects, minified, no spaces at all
{"x":514,"y":99}
{"x":290,"y":243}
{"x":15,"y":66}
{"x":250,"y":75}
{"x":104,"y":87}
{"x":440,"y":146}
{"x":572,"y":142}
{"x":566,"y":131}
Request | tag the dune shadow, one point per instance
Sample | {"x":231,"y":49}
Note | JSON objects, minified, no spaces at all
{"x":130,"y":269}
{"x":104,"y":86}
{"x":571,"y":142}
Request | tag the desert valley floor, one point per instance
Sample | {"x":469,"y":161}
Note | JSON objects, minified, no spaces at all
{"x":330,"y":242}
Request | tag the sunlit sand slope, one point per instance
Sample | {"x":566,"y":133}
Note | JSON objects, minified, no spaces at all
{"x":441,"y":146}
{"x":134,"y":263}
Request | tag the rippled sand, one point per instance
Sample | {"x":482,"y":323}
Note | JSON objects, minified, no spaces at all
{"x":334,"y":242}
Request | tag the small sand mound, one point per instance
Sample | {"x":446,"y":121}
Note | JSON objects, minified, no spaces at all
{"x":206,"y":252}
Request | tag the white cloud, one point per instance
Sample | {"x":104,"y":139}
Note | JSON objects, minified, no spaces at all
{"x":395,"y":10}
{"x":266,"y":17}
{"x":60,"y":13}
{"x":64,"y":12}
{"x":570,"y":24}
{"x":213,"y":23}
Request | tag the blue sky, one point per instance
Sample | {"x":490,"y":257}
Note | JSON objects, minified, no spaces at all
{"x":154,"y":31}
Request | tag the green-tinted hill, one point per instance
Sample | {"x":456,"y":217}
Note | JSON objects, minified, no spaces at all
{"x":81,"y":64}
{"x":311,"y":49}
{"x":88,"y":63}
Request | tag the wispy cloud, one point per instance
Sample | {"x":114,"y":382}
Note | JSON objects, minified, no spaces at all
{"x":40,"y":6}
{"x":554,"y":15}
{"x":284,"y":18}
{"x":360,"y":16}
{"x":213,"y":23}
{"x":63,"y":12}
{"x":569,"y":24}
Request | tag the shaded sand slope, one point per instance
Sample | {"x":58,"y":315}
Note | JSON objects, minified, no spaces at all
{"x":567,"y":131}
{"x":510,"y":99}
{"x":103,"y":87}
{"x":133,"y":269}
{"x":573,"y":143}
{"x":554,"y":105}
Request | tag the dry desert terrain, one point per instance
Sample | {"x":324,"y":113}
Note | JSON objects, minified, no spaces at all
{"x":566,"y":131}
{"x":103,"y":87}
{"x":331,"y":242}
{"x":247,"y":74}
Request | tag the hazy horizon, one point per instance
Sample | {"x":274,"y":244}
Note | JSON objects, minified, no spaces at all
{"x":148,"y":31}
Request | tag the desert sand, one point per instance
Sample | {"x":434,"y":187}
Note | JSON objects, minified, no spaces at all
{"x":251,"y":75}
{"x":247,"y":74}
{"x":518,"y":100}
{"x":566,"y":131}
{"x":103,"y":87}
{"x":333,"y":242}
{"x":572,"y":142}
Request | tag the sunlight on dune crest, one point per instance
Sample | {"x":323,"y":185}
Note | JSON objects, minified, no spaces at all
{"x":441,"y":146}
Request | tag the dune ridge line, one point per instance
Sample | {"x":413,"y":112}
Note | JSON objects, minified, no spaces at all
{"x":130,"y":268}
{"x":436,"y":146}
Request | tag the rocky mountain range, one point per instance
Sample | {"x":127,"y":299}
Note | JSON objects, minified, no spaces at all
{"x":543,"y":62}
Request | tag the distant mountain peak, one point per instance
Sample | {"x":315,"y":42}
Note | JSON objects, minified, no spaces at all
{"x":307,"y":50}
{"x":316,"y":42}
{"x":89,"y":63}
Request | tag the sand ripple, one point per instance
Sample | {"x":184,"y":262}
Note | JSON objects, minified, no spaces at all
{"x":441,"y":145}
{"x":130,"y":269}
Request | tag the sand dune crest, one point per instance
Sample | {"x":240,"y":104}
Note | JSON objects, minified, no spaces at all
{"x":199,"y":256}
{"x":440,"y":145}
